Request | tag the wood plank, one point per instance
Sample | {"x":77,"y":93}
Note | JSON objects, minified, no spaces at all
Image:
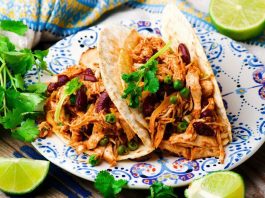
{"x":44,"y":190}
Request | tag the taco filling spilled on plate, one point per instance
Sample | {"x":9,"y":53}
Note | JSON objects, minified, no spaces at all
{"x":80,"y":111}
{"x":168,"y":85}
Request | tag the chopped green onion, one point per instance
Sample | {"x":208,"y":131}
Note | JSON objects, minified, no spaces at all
{"x":110,"y":118}
{"x":185,"y":92}
{"x":104,"y":141}
{"x":122,"y":149}
{"x":173,"y":99}
{"x":93,"y":160}
{"x":178,"y":85}
{"x":182,"y":126}
{"x":168,"y":79}
{"x":133,"y":145}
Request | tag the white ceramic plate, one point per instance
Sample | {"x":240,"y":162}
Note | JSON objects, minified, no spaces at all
{"x":242,"y":82}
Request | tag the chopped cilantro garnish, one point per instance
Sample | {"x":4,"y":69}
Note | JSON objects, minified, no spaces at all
{"x":71,"y":87}
{"x":147,"y":74}
{"x":107,"y":185}
{"x":19,"y":107}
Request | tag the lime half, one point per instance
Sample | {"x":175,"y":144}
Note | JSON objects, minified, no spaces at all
{"x":222,"y":184}
{"x":19,"y":176}
{"x":238,"y":19}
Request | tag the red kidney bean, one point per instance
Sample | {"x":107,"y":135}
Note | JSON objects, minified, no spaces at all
{"x":88,"y":71}
{"x":62,"y":80}
{"x":88,"y":77}
{"x":51,"y":87}
{"x":103,"y":103}
{"x":206,"y":113}
{"x":203,"y":129}
{"x":185,"y":54}
{"x":149,"y":105}
{"x":81,"y":99}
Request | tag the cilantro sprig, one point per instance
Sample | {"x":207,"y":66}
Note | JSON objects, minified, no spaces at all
{"x":19,"y":105}
{"x":107,"y":185}
{"x":70,"y":87}
{"x":146,"y":74}
{"x":110,"y":188}
{"x":159,"y":190}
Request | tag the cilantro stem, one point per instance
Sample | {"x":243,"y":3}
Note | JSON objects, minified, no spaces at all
{"x":58,"y":108}
{"x":161,"y":51}
{"x":11,"y":78}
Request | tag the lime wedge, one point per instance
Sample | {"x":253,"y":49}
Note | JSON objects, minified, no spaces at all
{"x":238,"y":19}
{"x":19,"y":176}
{"x":222,"y":184}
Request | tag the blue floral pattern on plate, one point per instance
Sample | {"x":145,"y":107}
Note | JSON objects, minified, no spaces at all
{"x":241,"y":79}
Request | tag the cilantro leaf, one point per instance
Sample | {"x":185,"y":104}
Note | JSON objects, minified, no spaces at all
{"x":19,"y":82}
{"x":70,"y":87}
{"x":12,"y":119}
{"x":39,"y":88}
{"x":28,"y":131}
{"x":159,"y":190}
{"x":26,"y":102}
{"x":5,"y":44}
{"x":151,"y":82}
{"x":19,"y":61}
{"x":147,"y":74}
{"x":107,"y":185}
{"x":17,"y":27}
{"x":40,"y":55}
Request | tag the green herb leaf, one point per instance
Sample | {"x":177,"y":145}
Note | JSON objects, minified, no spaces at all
{"x":19,"y":82}
{"x":107,"y":185}
{"x":19,"y":61}
{"x":17,"y":27}
{"x":28,"y":131}
{"x":39,"y":88}
{"x":147,"y":74}
{"x":5,"y":44}
{"x":93,"y":160}
{"x":71,"y":87}
{"x":40,"y":55}
{"x":12,"y":119}
{"x":159,"y":190}
{"x":151,"y":82}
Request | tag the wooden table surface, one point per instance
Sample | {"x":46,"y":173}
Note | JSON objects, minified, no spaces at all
{"x":62,"y":184}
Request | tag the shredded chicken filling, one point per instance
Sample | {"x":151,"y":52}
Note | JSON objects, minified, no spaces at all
{"x":85,"y":126}
{"x":204,"y":126}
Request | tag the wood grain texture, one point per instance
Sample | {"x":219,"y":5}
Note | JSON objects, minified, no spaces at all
{"x":59,"y":183}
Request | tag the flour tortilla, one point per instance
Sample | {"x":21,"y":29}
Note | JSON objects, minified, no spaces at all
{"x":114,"y":41}
{"x":110,"y":43}
{"x":90,"y":59}
{"x":176,"y":28}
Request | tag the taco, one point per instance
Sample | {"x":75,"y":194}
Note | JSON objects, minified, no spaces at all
{"x":88,"y":121}
{"x":165,"y":85}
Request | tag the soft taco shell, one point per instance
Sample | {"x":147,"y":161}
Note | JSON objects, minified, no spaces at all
{"x":176,"y":28}
{"x":90,"y":59}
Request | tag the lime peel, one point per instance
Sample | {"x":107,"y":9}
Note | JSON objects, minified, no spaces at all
{"x":240,"y":20}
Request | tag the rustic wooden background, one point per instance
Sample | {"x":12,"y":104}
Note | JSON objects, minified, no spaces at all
{"x":62,"y":184}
